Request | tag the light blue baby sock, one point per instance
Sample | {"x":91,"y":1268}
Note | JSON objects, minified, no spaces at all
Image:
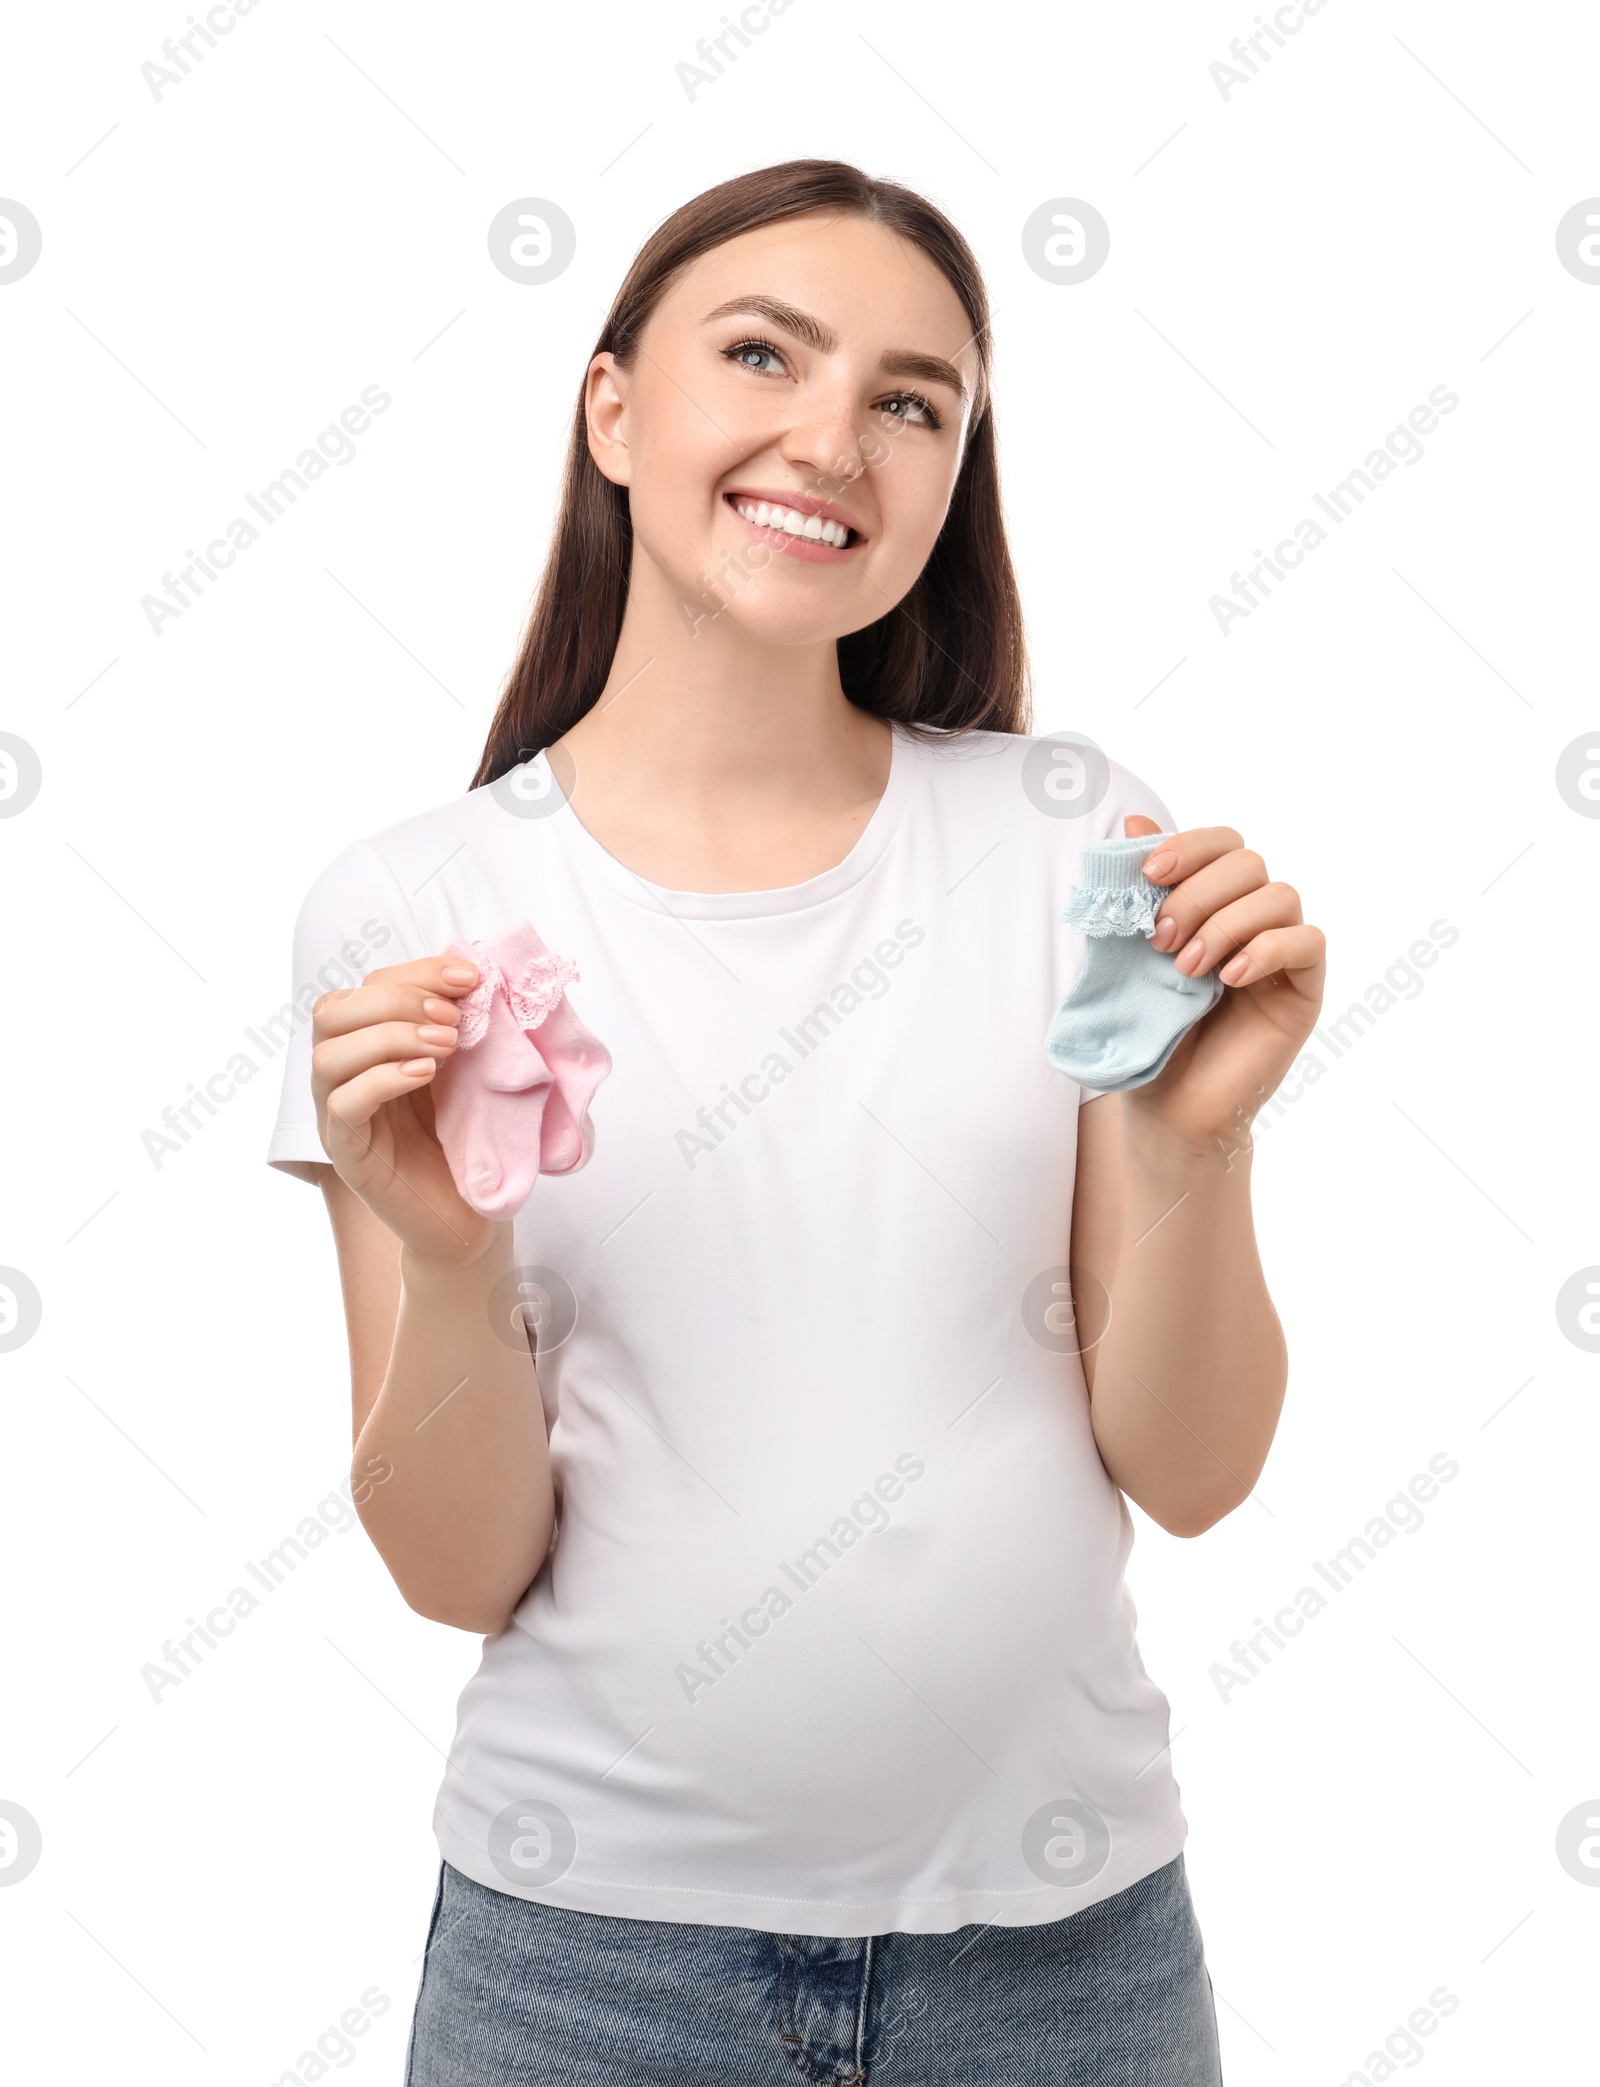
{"x":1130,"y":1006}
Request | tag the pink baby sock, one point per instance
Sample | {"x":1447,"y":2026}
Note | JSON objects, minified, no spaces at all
{"x":578,"y":1061}
{"x":512,"y":1100}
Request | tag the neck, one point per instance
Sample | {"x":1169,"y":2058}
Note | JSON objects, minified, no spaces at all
{"x":697,"y":708}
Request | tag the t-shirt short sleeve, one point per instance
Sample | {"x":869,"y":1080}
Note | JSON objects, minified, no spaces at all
{"x":1126,"y":796}
{"x":354,"y":920}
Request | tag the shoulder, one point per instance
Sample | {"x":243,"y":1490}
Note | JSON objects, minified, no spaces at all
{"x":491,"y":812}
{"x":1061,"y":786}
{"x":389,"y":873}
{"x":506,"y":814}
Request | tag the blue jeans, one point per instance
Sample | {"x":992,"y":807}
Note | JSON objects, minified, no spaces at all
{"x":519,"y":1994}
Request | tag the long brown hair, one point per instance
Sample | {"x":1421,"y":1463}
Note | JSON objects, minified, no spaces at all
{"x":949,"y":655}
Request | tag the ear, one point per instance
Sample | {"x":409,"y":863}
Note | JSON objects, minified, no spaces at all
{"x":605,"y":411}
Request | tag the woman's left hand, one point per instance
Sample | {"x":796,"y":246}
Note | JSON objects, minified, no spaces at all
{"x":1223,"y":913}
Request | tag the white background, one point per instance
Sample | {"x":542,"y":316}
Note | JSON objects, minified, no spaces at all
{"x":1292,"y":269}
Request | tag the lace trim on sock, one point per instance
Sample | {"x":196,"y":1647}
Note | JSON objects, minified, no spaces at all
{"x":532,"y":991}
{"x":1098,"y":911}
{"x":536,"y":988}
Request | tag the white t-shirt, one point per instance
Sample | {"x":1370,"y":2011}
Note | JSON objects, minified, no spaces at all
{"x":833,"y":1639}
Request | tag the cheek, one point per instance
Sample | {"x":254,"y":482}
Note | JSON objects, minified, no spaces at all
{"x":913,"y":495}
{"x":678,"y":454}
{"x":677,"y":457}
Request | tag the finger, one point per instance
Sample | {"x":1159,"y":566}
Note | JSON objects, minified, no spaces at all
{"x":1187,"y":852}
{"x":1296,"y":954}
{"x":1135,"y":826}
{"x":394,"y":993}
{"x":352,"y":1106}
{"x":338,"y":1059}
{"x":1199,"y":896}
{"x":1227,"y":930}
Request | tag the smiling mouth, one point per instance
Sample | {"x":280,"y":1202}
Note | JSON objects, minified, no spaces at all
{"x":795,"y":526}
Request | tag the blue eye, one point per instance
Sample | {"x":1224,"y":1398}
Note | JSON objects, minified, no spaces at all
{"x":912,"y":408}
{"x":754,"y":355}
{"x":757,"y":355}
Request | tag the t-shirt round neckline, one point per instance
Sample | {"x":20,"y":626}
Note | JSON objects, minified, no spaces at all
{"x":869,"y":848}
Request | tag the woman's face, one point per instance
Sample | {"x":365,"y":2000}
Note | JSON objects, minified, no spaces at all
{"x":791,"y":427}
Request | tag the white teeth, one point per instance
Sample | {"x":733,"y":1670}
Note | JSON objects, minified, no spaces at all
{"x":793,"y":523}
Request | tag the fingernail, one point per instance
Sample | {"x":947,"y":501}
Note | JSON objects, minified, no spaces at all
{"x":441,"y":1010}
{"x":435,"y":1033}
{"x":1231,"y":973}
{"x":1156,"y":866}
{"x":1166,"y":933}
{"x":1191,"y":956}
{"x":459,"y":974}
{"x":417,"y":1065}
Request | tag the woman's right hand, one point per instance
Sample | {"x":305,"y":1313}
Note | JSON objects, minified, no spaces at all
{"x":375,"y":1050}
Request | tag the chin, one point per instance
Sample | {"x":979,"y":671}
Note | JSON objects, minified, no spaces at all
{"x":801,"y":626}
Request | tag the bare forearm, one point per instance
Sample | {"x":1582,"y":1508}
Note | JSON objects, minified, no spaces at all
{"x":464,"y":1522}
{"x":1188,"y":1379}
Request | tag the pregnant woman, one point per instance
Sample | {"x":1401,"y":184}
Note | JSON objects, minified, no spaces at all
{"x":776,"y":1436}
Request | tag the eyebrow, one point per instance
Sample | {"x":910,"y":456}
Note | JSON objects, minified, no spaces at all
{"x":895,"y":362}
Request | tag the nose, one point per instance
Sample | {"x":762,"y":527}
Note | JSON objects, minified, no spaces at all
{"x":826,"y":443}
